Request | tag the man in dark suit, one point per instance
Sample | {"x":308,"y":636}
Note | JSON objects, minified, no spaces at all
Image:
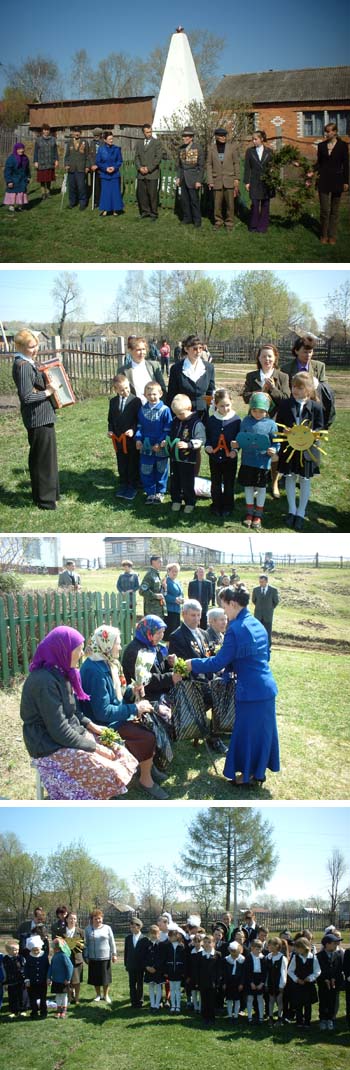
{"x":201,"y":590}
{"x":189,"y":641}
{"x":332,"y":168}
{"x":26,"y":928}
{"x":147,"y":160}
{"x":135,"y":949}
{"x":68,"y":577}
{"x":265,"y":599}
{"x":190,"y":177}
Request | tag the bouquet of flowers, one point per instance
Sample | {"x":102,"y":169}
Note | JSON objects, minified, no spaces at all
{"x":143,"y":665}
{"x":109,"y":737}
{"x":181,"y":667}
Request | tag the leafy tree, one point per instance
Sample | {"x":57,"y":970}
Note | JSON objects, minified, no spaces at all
{"x":339,"y":305}
{"x":167,"y":548}
{"x":21,"y":875}
{"x":67,"y":297}
{"x":263,"y":307}
{"x":38,"y":78}
{"x":231,"y":847}
{"x":14,"y":107}
{"x":73,"y":874}
{"x":119,"y":75}
{"x":200,"y":306}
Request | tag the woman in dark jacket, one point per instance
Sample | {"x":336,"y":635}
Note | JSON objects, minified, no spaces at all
{"x":148,"y":637}
{"x":192,"y":376}
{"x":74,"y":937}
{"x":256,"y":162}
{"x":272,"y":381}
{"x":102,"y":677}
{"x":332,"y":168}
{"x":64,"y":744}
{"x":39,"y":417}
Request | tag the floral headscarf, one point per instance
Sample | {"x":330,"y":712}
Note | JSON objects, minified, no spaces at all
{"x":146,"y":628}
{"x":55,"y":652}
{"x":100,"y":648}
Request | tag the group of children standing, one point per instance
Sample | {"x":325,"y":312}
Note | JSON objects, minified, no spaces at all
{"x":252,"y":973}
{"x":27,"y":973}
{"x":147,"y":437}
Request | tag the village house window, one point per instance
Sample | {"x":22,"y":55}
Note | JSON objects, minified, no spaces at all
{"x":314,"y":122}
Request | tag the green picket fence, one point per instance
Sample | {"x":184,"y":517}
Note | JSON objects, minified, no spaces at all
{"x":26,"y":619}
{"x":167,"y":186}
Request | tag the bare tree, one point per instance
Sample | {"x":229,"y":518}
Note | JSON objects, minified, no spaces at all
{"x":119,"y":75}
{"x":81,"y":75}
{"x":339,"y":305}
{"x":336,"y":867}
{"x":39,"y":78}
{"x":67,"y":296}
{"x":12,"y":552}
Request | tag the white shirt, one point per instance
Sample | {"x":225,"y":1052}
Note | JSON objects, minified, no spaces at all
{"x":140,"y":376}
{"x":259,"y":150}
{"x":193,"y":371}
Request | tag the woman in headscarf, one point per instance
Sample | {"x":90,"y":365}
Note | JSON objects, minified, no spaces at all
{"x":63,"y":742}
{"x":102,"y":676}
{"x":148,"y":637}
{"x":39,"y":417}
{"x":17,"y":175}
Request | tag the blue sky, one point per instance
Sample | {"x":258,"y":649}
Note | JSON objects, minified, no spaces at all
{"x":26,"y":294}
{"x":325,"y":545}
{"x":280,"y":37}
{"x":126,"y":837}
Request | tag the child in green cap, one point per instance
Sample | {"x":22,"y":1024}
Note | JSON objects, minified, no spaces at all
{"x":256,"y":440}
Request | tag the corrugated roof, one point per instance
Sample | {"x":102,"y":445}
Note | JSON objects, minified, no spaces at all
{"x":277,"y":87}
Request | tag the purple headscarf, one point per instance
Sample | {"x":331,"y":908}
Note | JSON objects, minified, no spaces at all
{"x":22,"y":161}
{"x":55,"y":652}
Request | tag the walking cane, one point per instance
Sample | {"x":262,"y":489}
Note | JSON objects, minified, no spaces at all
{"x":93,"y":191}
{"x":63,"y":189}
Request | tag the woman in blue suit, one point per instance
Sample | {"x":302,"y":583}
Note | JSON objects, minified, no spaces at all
{"x":245,"y":652}
{"x":108,"y":161}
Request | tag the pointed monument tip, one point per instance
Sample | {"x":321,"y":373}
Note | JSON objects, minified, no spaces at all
{"x":180,"y":29}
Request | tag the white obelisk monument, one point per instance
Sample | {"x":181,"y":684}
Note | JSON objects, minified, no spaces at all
{"x":180,"y":84}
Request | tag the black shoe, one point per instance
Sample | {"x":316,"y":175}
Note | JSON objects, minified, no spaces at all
{"x":290,"y":521}
{"x":218,"y":746}
{"x":299,"y":523}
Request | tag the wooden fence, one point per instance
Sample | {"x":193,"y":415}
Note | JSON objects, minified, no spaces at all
{"x":26,"y":619}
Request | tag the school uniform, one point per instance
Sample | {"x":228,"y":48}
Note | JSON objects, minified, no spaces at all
{"x":175,"y":971}
{"x":346,"y":972}
{"x":331,"y":963}
{"x":233,"y":979}
{"x":209,"y":976}
{"x":135,"y":950}
{"x":122,"y":417}
{"x":155,"y":958}
{"x":14,"y":966}
{"x":221,"y":432}
{"x":36,"y":970}
{"x":193,"y":977}
{"x":255,"y":972}
{"x":303,"y":996}
{"x":276,"y":980}
{"x":183,"y":462}
{"x":290,"y":412}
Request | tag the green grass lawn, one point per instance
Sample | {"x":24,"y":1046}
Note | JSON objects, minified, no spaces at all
{"x":88,"y":478}
{"x":312,"y":712}
{"x":106,"y":1037}
{"x":45,"y":233}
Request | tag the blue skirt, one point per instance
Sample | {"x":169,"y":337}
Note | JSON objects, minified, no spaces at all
{"x":254,"y":741}
{"x":111,"y":199}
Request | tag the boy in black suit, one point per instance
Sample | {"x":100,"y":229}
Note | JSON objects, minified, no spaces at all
{"x":210,"y":969}
{"x":122,"y":423}
{"x":135,"y":952}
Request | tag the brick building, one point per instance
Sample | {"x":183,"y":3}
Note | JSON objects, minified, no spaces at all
{"x":292,"y":105}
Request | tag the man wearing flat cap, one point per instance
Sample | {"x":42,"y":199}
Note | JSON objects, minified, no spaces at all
{"x":223,"y":177}
{"x":190,"y":177}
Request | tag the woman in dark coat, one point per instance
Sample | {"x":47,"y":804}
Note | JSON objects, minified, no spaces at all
{"x":74,"y":937}
{"x":38,"y":415}
{"x":192,"y":376}
{"x":256,"y":162}
{"x":148,"y":637}
{"x":245,"y":651}
{"x":64,"y":744}
{"x":332,"y":168}
{"x":272,"y":381}
{"x":109,"y":160}
{"x":17,"y":175}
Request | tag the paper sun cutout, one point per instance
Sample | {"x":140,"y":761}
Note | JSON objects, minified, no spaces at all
{"x":301,"y":439}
